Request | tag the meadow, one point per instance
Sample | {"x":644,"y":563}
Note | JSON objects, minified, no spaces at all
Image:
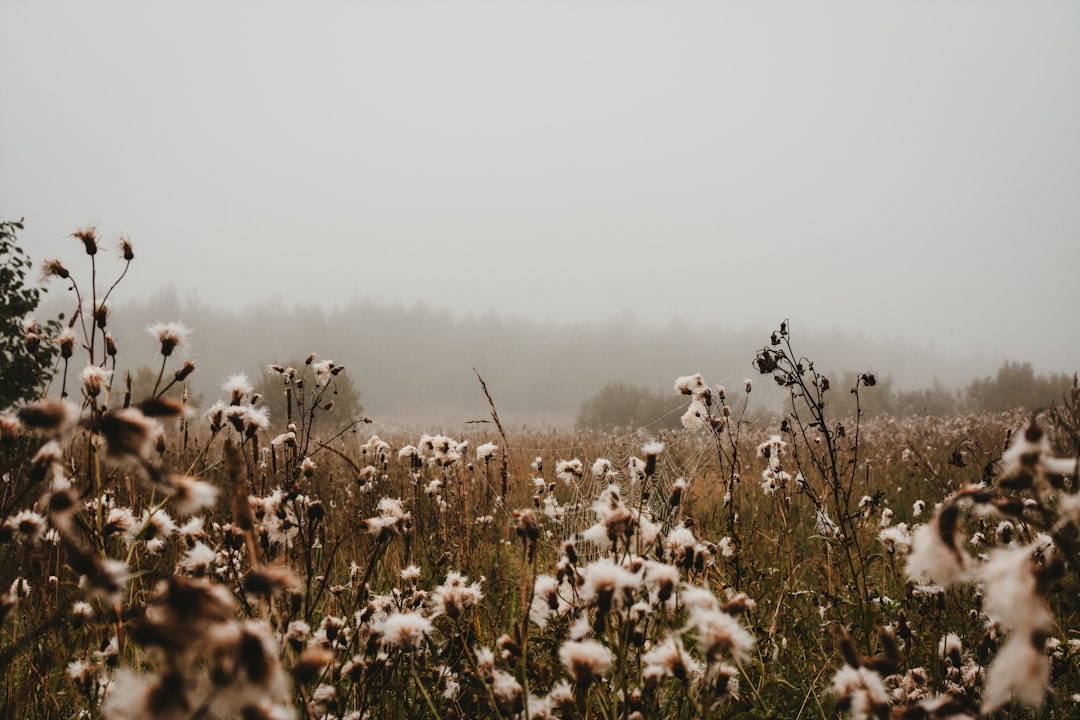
{"x":166,"y":561}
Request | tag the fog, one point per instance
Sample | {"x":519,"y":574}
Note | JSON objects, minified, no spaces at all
{"x":900,"y":178}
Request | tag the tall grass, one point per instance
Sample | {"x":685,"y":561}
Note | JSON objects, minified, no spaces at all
{"x":161,"y":561}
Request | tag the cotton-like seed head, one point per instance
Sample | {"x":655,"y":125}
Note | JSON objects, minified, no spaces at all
{"x":127,"y":433}
{"x":66,"y":342}
{"x":586,"y":660}
{"x":309,"y":666}
{"x":171,"y":335}
{"x":127,"y":250}
{"x":94,"y":379}
{"x":406,"y":630}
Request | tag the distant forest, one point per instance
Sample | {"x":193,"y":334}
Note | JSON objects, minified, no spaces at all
{"x":415,"y":364}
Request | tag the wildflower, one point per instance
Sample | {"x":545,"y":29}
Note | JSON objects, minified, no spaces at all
{"x":101,"y":315}
{"x":651,"y":451}
{"x":678,"y":488}
{"x":288,"y":439}
{"x":171,"y":335}
{"x":1011,"y":597}
{"x":545,"y":600}
{"x":950,"y":646}
{"x":191,"y":495}
{"x":119,"y":521}
{"x":586,"y":660}
{"x":392,"y":519}
{"x":127,"y":250}
{"x":917,"y":508}
{"x":132,"y":695}
{"x":127,"y":433}
{"x":182,"y":374}
{"x":561,"y":696}
{"x":695,"y":416}
{"x":1025,"y":451}
{"x":486,"y":451}
{"x":54,"y":268}
{"x":267,"y":581}
{"x":679,"y":544}
{"x":19,"y":588}
{"x":606,"y":582}
{"x":726,"y":546}
{"x":690,"y":384}
{"x":88,"y":235}
{"x":25,"y":526}
{"x":454,"y":597}
{"x":896,"y":539}
{"x":237,"y":386}
{"x":412,"y":454}
{"x":406,"y":630}
{"x":569,"y":470}
{"x":771,"y":450}
{"x":936,"y":553}
{"x":410,"y":574}
{"x":297,"y":634}
{"x":157,"y":525}
{"x":720,"y":634}
{"x":668,"y":659}
{"x":1021,"y":671}
{"x":526,"y":525}
{"x":861,"y":691}
{"x":80,"y":672}
{"x":81,"y":613}
{"x":198,"y":559}
{"x":602,"y":469}
{"x":102,"y":576}
{"x":451,"y":684}
{"x":94,"y":379}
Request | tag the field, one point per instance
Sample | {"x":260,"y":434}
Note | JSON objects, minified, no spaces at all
{"x":162,"y":561}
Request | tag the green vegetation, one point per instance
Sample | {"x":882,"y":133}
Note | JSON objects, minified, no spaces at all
{"x":26,"y":350}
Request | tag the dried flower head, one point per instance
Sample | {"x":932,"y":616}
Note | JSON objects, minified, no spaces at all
{"x":171,"y":335}
{"x":586,"y":660}
{"x":88,"y":235}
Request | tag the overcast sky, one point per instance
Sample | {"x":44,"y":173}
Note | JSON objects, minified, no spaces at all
{"x":905,"y":169}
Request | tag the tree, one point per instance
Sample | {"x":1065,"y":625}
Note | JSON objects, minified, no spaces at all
{"x":620,"y":405}
{"x":1016,"y":385}
{"x":26,"y":348}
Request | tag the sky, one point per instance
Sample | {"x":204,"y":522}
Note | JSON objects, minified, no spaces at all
{"x":907,"y":170}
